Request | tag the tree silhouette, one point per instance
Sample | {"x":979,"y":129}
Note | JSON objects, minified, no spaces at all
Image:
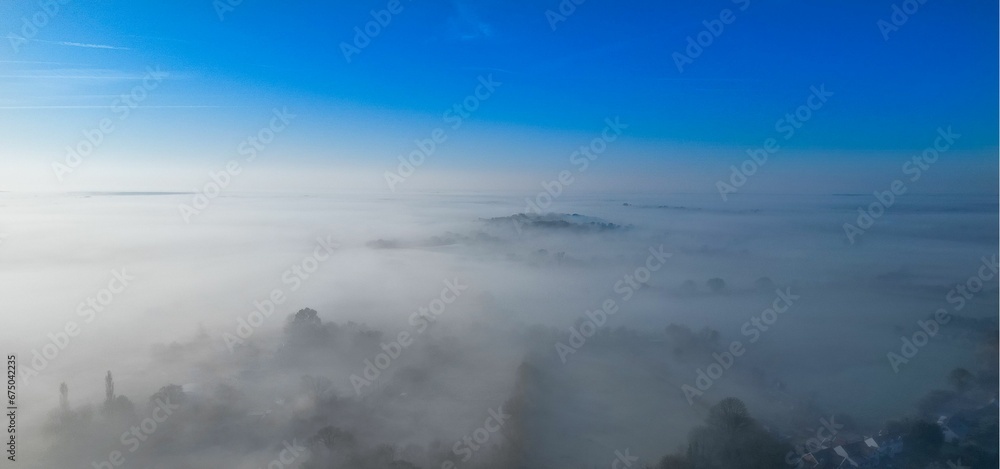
{"x":306,"y":327}
{"x":730,"y":414}
{"x":923,"y":442}
{"x":333,"y":438}
{"x":169,"y":394}
{"x":109,"y":392}
{"x":936,"y":402}
{"x":961,"y":379}
{"x":64,"y":398}
{"x":305,"y":316}
{"x":673,"y":461}
{"x":730,"y":439}
{"x":716,"y":285}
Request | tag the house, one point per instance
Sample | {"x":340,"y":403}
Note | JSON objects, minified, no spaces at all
{"x":861,"y":453}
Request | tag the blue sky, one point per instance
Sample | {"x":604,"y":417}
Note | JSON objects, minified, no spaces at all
{"x":605,"y":59}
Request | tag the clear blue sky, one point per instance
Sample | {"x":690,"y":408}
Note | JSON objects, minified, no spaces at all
{"x":606,"y":59}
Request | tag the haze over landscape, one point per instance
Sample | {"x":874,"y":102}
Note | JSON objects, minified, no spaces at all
{"x":448,"y":234}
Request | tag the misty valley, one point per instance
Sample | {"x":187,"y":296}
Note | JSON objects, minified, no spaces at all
{"x":494,"y":234}
{"x":632,"y":332}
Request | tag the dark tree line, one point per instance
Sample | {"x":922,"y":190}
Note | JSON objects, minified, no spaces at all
{"x":730,"y":439}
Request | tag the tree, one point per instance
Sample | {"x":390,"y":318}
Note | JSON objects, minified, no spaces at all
{"x":716,"y":285}
{"x":306,"y":327}
{"x":922,"y":442}
{"x":169,"y":394}
{"x":703,"y":449}
{"x":305,"y":316}
{"x":64,"y":398}
{"x":764,"y":284}
{"x":122,"y":407}
{"x":936,"y":402}
{"x":673,"y":461}
{"x":109,"y":392}
{"x":730,"y":414}
{"x":961,"y":379}
{"x":730,"y":439}
{"x":332,"y":438}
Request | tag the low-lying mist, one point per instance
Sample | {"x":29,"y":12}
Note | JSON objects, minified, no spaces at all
{"x":442,"y":331}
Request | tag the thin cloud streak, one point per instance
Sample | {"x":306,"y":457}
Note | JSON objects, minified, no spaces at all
{"x":106,"y":107}
{"x":81,"y":44}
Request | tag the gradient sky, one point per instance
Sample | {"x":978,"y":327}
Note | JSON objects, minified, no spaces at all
{"x":606,"y":59}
